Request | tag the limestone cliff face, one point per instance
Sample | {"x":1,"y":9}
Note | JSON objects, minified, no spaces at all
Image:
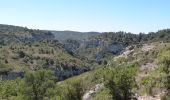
{"x":113,"y":48}
{"x":97,"y":48}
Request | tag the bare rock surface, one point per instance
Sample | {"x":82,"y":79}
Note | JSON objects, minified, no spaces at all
{"x":93,"y":90}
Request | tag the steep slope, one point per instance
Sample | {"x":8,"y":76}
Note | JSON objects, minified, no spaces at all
{"x":106,"y":44}
{"x":147,"y":62}
{"x":20,"y":57}
{"x":143,"y":63}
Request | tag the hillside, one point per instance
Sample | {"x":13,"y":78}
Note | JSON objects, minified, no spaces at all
{"x":27,"y":49}
{"x":113,"y":43}
{"x":34,"y":65}
{"x":140,"y":72}
{"x":9,"y":34}
{"x":16,"y":58}
{"x":144,"y":64}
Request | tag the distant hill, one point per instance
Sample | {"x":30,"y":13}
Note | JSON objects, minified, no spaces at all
{"x":9,"y":33}
{"x":73,"y":35}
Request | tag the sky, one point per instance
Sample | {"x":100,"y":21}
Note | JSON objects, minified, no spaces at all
{"x":87,"y":15}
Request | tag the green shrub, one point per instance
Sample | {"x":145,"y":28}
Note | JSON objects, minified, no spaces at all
{"x":122,"y":82}
{"x":36,"y":85}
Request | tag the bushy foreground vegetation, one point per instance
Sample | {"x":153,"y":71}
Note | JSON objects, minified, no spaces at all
{"x":42,"y":85}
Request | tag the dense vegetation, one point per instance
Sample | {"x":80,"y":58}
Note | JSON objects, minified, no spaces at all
{"x":108,"y":66}
{"x":44,"y":54}
{"x":113,"y":43}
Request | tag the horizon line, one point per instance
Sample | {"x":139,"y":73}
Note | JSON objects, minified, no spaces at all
{"x":29,"y":27}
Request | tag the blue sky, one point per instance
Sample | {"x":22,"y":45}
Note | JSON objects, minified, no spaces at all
{"x":87,"y":15}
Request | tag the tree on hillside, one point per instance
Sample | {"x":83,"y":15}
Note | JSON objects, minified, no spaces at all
{"x":8,"y":89}
{"x":37,"y":84}
{"x":121,"y":83}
